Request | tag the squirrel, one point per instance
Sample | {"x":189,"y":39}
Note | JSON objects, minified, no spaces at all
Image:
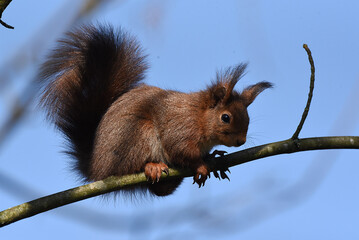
{"x":115,"y":124}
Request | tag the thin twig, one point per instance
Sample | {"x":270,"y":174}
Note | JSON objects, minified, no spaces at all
{"x":113,"y":183}
{"x":310,"y":94}
{"x":6,"y":25}
{"x":3,"y":5}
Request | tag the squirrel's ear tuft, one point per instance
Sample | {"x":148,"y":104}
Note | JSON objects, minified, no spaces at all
{"x":230,"y":78}
{"x":222,"y":89}
{"x":251,"y":92}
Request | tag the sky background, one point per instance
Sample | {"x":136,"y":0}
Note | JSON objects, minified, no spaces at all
{"x":311,"y":195}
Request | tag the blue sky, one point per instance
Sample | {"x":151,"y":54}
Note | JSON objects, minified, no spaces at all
{"x":311,"y":195}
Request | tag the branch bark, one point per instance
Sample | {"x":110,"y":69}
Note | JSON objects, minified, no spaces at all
{"x":113,"y":183}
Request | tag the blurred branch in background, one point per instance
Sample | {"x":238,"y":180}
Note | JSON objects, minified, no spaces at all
{"x":153,"y":14}
{"x":30,"y":55}
{"x":17,"y":188}
{"x":3,"y":5}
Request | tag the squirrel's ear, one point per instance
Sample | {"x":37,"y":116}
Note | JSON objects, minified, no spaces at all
{"x":251,"y":92}
{"x":222,"y":89}
{"x":218,"y":92}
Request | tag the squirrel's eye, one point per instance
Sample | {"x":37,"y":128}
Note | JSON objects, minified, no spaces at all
{"x":225,"y":118}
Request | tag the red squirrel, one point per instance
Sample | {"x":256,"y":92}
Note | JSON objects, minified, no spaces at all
{"x":117,"y":125}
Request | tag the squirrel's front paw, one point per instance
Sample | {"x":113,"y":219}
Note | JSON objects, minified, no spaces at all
{"x":153,"y":171}
{"x":222,"y":172}
{"x":202,"y":172}
{"x":216,"y":152}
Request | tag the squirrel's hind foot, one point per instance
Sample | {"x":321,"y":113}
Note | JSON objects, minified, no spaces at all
{"x":153,"y":171}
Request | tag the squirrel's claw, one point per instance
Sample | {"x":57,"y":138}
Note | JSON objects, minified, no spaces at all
{"x":222,"y":175}
{"x":201,"y":175}
{"x":153,"y":171}
{"x":199,"y":180}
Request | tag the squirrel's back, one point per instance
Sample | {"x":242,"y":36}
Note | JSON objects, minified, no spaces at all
{"x":91,"y":67}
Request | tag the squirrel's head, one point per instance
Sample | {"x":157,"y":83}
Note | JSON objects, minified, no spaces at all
{"x":226,"y":115}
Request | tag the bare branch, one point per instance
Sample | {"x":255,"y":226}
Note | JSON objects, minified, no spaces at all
{"x":113,"y":183}
{"x":310,"y":94}
{"x":3,"y":5}
{"x":21,"y":60}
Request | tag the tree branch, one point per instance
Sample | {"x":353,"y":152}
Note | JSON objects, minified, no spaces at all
{"x":113,"y":183}
{"x":310,"y":94}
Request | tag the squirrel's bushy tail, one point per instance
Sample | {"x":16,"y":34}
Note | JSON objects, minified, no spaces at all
{"x":91,"y":67}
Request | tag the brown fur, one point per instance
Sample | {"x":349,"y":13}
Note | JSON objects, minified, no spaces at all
{"x":117,"y":125}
